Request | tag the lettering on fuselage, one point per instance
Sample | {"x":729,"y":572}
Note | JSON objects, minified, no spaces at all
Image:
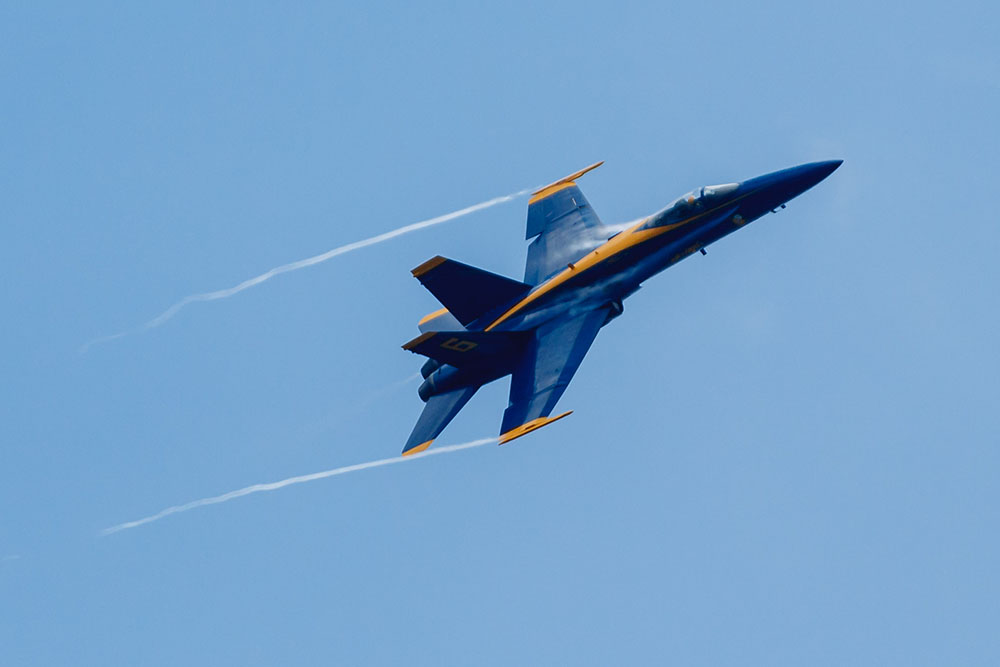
{"x":458,"y":345}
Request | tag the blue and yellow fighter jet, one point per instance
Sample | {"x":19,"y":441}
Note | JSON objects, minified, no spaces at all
{"x":578,"y":274}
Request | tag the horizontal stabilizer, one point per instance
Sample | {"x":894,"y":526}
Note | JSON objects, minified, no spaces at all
{"x":465,"y":348}
{"x":467,"y":292}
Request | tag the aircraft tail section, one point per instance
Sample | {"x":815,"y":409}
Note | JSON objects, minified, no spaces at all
{"x":467,"y":292}
{"x":439,"y":320}
{"x":469,"y":348}
{"x":437,"y":414}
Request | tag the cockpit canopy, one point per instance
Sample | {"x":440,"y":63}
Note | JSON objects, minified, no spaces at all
{"x":695,"y":201}
{"x":719,"y":190}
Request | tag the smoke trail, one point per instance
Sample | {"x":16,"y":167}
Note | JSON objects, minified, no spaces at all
{"x":273,"y":486}
{"x":334,"y":418}
{"x":303,"y":263}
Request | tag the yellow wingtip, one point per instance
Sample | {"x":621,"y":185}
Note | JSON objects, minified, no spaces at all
{"x":419,"y":448}
{"x":528,"y":427}
{"x":561,"y":184}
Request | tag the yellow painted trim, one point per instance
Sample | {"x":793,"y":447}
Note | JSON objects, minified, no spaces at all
{"x":419,"y":448}
{"x":432,"y":263}
{"x":418,"y":340}
{"x":578,"y":174}
{"x":616,"y":244}
{"x":430,"y":316}
{"x":561,"y":184}
{"x":629,"y":238}
{"x":550,"y":190}
{"x":528,"y":427}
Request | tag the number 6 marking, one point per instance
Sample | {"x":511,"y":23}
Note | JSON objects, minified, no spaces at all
{"x":458,"y":345}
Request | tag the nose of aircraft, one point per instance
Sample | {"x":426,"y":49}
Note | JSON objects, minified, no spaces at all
{"x":805,"y":176}
{"x":772,"y":190}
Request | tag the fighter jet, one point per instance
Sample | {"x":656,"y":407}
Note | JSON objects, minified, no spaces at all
{"x":577,"y":276}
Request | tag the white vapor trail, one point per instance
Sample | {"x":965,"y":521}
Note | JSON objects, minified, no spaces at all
{"x":332,"y":420}
{"x":301,"y":479}
{"x":309,"y":261}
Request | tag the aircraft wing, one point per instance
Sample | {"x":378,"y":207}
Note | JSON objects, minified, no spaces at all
{"x":545,"y":370}
{"x":565,"y":224}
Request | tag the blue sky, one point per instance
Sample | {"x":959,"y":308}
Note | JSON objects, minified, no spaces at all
{"x":784,"y":453}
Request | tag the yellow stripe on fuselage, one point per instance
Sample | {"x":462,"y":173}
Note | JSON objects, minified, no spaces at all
{"x":629,"y":238}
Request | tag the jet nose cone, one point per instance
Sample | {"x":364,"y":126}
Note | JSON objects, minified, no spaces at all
{"x":823,"y":169}
{"x":805,"y":176}
{"x":768,"y":192}
{"x":774,"y":189}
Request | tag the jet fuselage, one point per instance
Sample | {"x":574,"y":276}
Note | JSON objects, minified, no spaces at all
{"x":616,"y":268}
